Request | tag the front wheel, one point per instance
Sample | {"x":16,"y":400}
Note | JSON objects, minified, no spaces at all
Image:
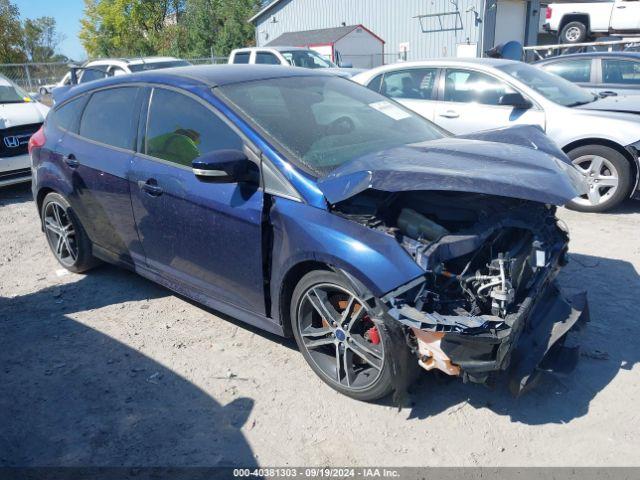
{"x":607,"y":174}
{"x":573,"y":32}
{"x":66,"y":237}
{"x":337,"y":337}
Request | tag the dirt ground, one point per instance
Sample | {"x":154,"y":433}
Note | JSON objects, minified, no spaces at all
{"x":110,"y":369}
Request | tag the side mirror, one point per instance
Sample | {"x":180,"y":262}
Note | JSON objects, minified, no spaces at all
{"x":224,"y":166}
{"x":515,"y":100}
{"x":346,"y":65}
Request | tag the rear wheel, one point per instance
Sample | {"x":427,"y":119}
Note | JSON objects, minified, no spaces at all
{"x":338,"y":339}
{"x":573,"y":32}
{"x":607,"y":174}
{"x":66,"y":237}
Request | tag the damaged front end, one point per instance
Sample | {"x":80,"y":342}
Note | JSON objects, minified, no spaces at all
{"x":488,"y":301}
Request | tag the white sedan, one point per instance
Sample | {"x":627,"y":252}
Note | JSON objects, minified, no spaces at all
{"x":20,"y":117}
{"x":600,"y":136}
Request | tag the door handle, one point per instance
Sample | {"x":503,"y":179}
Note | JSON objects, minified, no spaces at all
{"x":621,"y":6}
{"x":151,"y":187}
{"x":71,"y":160}
{"x":450,"y":114}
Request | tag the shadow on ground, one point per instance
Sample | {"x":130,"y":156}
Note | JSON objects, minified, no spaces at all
{"x":14,"y":194}
{"x":613,"y":287}
{"x":73,"y":396}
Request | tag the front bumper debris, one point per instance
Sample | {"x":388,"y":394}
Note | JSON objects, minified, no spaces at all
{"x":526,"y":343}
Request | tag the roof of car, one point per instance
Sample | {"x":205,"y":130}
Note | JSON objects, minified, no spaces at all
{"x":489,"y":62}
{"x":631,"y":55}
{"x":208,"y":75}
{"x":131,"y":61}
{"x":269,"y":47}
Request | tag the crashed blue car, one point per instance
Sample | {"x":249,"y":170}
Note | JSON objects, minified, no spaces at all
{"x":312,"y":207}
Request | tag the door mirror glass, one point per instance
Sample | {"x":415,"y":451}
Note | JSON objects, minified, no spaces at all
{"x":515,"y":100}
{"x":224,"y":166}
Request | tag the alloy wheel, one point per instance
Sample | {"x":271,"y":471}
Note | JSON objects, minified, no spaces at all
{"x":60,"y":233}
{"x":601,"y":176}
{"x":338,"y":334}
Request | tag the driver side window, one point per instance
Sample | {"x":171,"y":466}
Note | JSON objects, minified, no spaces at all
{"x":180,"y":129}
{"x":467,"y":86}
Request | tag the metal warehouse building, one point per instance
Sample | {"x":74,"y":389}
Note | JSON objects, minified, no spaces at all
{"x":410,"y":29}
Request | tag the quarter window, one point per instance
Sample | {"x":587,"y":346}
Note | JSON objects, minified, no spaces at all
{"x":414,"y":83}
{"x":111,"y":116}
{"x":180,"y":129}
{"x":375,"y":83}
{"x":66,"y":116}
{"x":620,"y":71}
{"x":467,"y":86}
{"x":573,"y":70}
{"x":267,"y":58}
{"x":241,"y":57}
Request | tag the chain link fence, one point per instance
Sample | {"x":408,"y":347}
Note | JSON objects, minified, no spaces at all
{"x":33,"y":77}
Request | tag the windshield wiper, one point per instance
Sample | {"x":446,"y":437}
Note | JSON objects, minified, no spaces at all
{"x":12,"y":101}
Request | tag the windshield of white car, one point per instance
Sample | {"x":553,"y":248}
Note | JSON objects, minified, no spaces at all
{"x":10,"y":93}
{"x":550,"y":86}
{"x":321,"y":122}
{"x":306,"y":59}
{"x":143,"y":67}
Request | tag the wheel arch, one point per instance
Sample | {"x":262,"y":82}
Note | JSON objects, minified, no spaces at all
{"x":575,"y":17}
{"x":635,"y":169}
{"x":291,"y":278}
{"x":43,"y":192}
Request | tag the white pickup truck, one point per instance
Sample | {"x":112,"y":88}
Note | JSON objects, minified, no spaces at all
{"x":576,"y":22}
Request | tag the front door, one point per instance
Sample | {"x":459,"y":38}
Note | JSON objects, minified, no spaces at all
{"x":471,"y":103}
{"x":206,"y":236}
{"x":625,"y":16}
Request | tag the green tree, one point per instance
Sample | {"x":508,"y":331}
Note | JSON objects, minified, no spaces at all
{"x":10,"y":33}
{"x":40,"y":39}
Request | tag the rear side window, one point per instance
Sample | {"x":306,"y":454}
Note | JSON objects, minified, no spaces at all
{"x":66,"y":116}
{"x":623,"y":72}
{"x":111,"y":117}
{"x":180,"y":129}
{"x":414,"y":83}
{"x":241,"y":57}
{"x":267,"y":58}
{"x":572,"y":70}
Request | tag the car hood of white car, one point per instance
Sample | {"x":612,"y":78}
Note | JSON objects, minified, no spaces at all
{"x":615,"y":103}
{"x":13,"y":114}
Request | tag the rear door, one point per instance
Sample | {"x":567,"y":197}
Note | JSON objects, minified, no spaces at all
{"x":97,"y":159}
{"x":416,"y":88}
{"x":470,"y":103}
{"x":205,"y":236}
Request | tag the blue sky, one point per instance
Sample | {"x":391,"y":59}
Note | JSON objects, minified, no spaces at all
{"x":67,"y":14}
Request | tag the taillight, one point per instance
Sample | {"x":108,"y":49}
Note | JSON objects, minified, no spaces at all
{"x":549,"y":12}
{"x":37,"y":139}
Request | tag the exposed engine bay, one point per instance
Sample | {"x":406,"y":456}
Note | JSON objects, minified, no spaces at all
{"x":488,"y":261}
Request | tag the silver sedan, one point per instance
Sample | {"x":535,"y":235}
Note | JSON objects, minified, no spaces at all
{"x":600,"y":136}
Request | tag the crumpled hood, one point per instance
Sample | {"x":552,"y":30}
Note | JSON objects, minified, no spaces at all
{"x":615,"y":103}
{"x":518,"y":162}
{"x":15,"y":114}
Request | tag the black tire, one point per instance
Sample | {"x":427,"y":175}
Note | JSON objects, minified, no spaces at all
{"x":573,"y":32}
{"x":382,"y":385}
{"x":79,"y":241}
{"x":622,"y":169}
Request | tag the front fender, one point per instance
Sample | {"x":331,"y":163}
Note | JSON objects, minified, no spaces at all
{"x":304,"y":233}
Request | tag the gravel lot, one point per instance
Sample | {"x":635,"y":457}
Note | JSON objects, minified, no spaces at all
{"x":110,"y":369}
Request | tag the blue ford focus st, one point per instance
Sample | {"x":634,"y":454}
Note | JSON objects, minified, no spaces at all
{"x":307,"y":205}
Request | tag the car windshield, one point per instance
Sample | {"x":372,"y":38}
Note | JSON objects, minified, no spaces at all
{"x":322,"y":122}
{"x":550,"y":86}
{"x":306,"y":59}
{"x":11,"y":93}
{"x":142,"y":67}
